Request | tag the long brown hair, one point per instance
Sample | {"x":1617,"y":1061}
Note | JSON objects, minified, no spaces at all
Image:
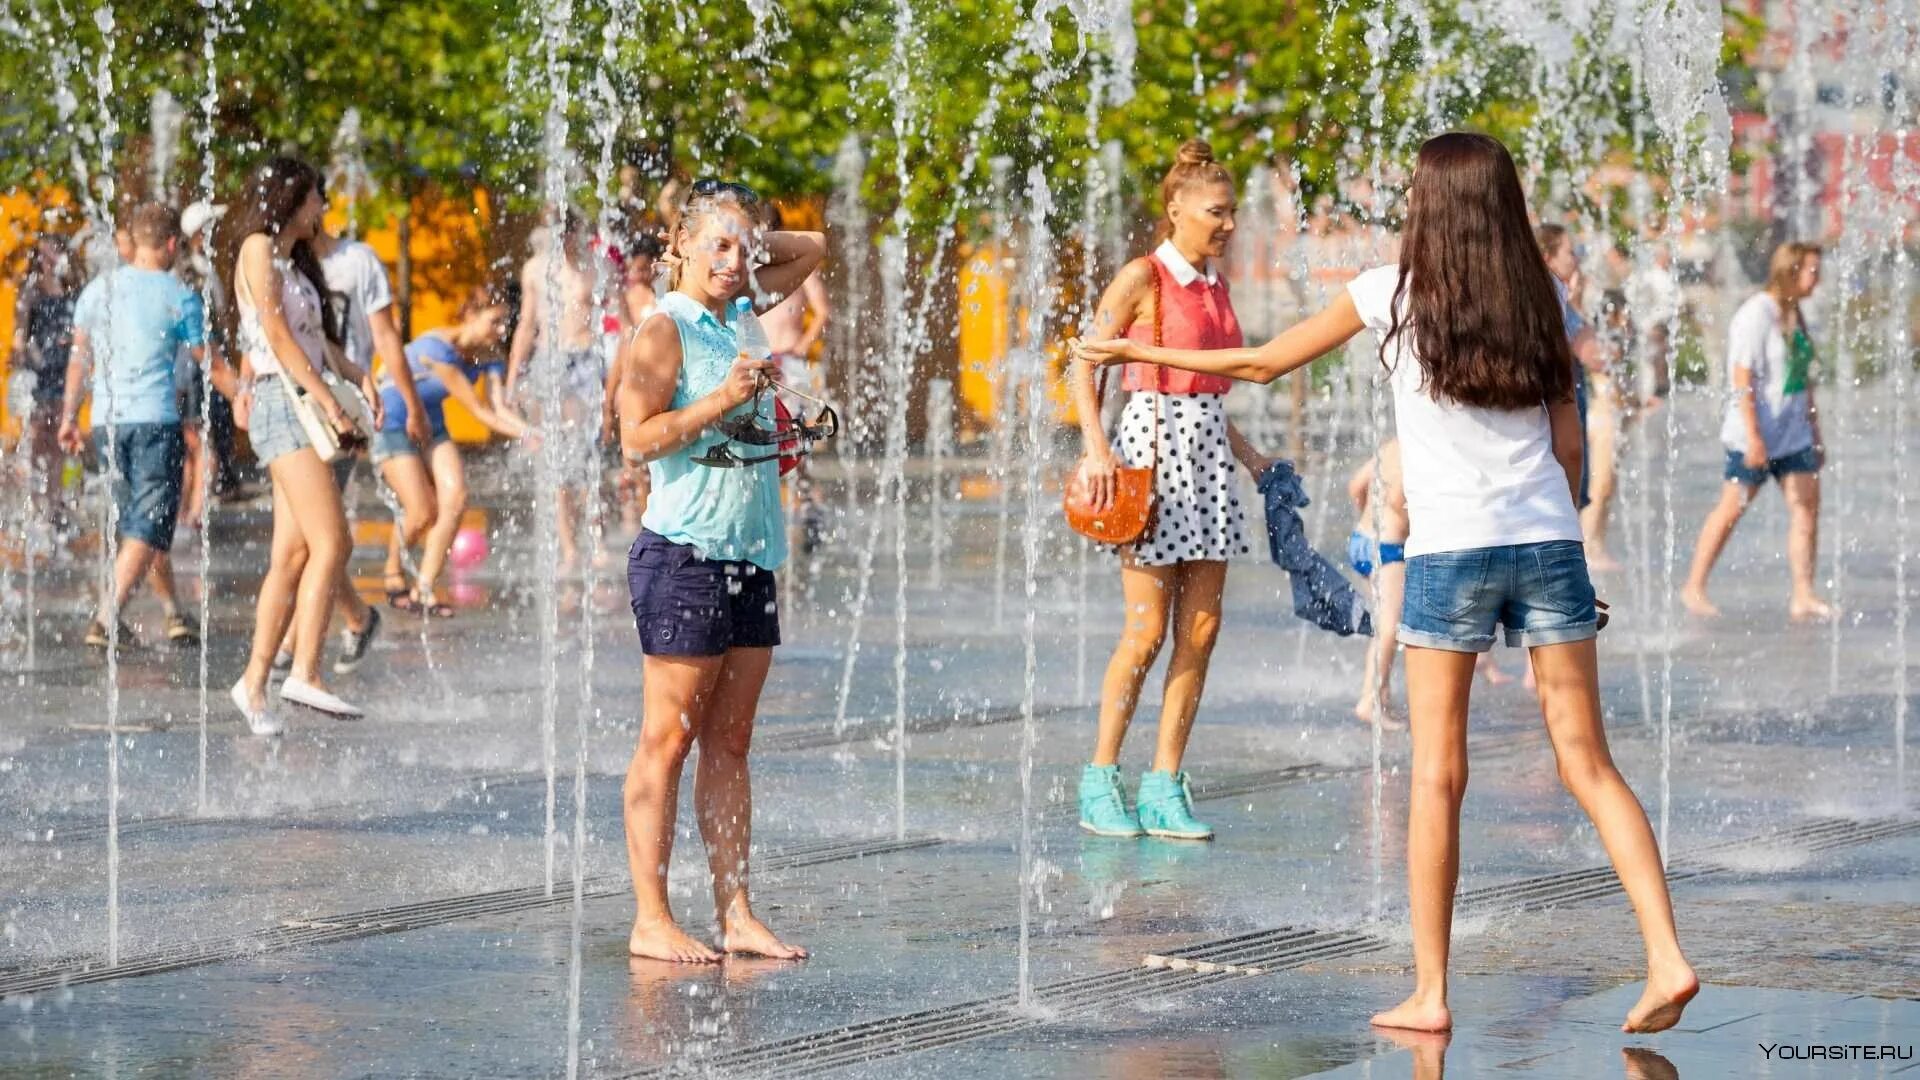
{"x":1193,"y":165}
{"x":1479,"y":300}
{"x":273,"y":195}
{"x":1783,"y":276}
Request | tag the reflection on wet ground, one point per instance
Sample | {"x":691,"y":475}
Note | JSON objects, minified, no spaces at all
{"x":369,"y":898}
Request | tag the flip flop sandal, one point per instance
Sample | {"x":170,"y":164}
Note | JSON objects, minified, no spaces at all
{"x":1602,"y":618}
{"x":403,"y":601}
{"x":436,"y":610}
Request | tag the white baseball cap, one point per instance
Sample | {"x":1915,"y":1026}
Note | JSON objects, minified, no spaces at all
{"x":199,"y":215}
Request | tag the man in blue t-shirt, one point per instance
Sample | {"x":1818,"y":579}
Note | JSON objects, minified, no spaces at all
{"x":129,"y":326}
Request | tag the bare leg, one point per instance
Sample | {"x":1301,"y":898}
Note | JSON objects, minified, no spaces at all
{"x":450,"y":502}
{"x":565,"y":505}
{"x":160,"y":576}
{"x":1145,"y":591}
{"x":1803,"y":541}
{"x":135,"y":560}
{"x":412,"y":486}
{"x":314,"y":502}
{"x":1390,"y":586}
{"x":286,"y":568}
{"x":676,"y":692}
{"x":1602,"y":428}
{"x":1196,"y":628}
{"x":1735,"y":497}
{"x":195,"y":492}
{"x":1438,"y":686}
{"x":723,"y":799}
{"x":1570,"y":700}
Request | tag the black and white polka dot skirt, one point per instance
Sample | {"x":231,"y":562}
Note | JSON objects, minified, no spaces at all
{"x":1199,"y":515}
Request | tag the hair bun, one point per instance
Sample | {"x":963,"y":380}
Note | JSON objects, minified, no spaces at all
{"x":1195,"y":152}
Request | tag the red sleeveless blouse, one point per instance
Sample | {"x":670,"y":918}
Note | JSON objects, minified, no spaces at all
{"x":1197,"y":315}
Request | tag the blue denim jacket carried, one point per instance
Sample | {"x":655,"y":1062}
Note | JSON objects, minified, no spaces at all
{"x":1321,"y":593}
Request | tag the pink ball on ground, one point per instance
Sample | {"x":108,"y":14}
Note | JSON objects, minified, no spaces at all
{"x":469,"y":549}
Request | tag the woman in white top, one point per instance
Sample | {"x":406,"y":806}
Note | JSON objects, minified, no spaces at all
{"x":286,"y":333}
{"x":1771,"y":430}
{"x":1482,"y":380}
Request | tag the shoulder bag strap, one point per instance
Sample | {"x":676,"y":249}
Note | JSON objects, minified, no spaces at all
{"x":1159,"y":373}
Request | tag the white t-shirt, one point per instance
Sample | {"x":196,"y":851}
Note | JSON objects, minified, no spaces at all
{"x":1473,"y":477}
{"x":1756,"y":342}
{"x":358,"y":282}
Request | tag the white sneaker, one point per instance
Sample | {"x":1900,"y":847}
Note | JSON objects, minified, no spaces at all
{"x":259,"y":721}
{"x":301,"y":692}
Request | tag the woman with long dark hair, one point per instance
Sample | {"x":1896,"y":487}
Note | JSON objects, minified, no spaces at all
{"x":1478,"y":361}
{"x":285,"y":331}
{"x":1175,"y":422}
{"x":701,"y":572}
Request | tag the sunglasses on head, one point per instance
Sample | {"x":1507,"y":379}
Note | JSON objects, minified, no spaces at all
{"x":708,"y":186}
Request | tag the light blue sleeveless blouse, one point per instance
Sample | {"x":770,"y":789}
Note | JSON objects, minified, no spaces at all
{"x":730,"y":514}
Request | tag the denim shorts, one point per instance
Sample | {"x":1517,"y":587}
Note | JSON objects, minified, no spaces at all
{"x":1539,"y":592}
{"x":1363,"y":552}
{"x":684,"y":605}
{"x":1806,"y":461}
{"x":147,"y":462}
{"x":388,"y":445}
{"x":274,"y":429}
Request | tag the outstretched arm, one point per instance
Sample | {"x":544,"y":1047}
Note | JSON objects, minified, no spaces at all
{"x":1302,"y":343}
{"x":460,"y":388}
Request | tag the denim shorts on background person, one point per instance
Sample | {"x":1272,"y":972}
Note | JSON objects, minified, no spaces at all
{"x":1806,"y":461}
{"x":388,"y":445}
{"x":1539,"y":592}
{"x":1363,"y":552}
{"x":146,"y":461}
{"x":684,"y":605}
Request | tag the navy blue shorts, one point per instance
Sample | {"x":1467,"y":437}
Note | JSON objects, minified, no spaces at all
{"x":147,"y":462}
{"x":1806,"y":461}
{"x":684,"y":605}
{"x":1539,"y":593}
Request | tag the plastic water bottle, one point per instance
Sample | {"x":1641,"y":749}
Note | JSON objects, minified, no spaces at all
{"x":751,"y":336}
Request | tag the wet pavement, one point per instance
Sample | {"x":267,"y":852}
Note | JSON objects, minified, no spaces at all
{"x":371,"y":898}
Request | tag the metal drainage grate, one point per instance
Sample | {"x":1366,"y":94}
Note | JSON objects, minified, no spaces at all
{"x":1196,"y":967}
{"x":326,"y":930}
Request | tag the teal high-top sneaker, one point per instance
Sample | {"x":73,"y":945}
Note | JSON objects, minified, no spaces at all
{"x":1103,"y":803}
{"x":1166,"y":807}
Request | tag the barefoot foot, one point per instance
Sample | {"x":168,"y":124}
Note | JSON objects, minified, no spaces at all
{"x":1810,"y":609}
{"x":1416,"y":1014}
{"x":1665,"y":998}
{"x":744,"y":935}
{"x":1696,"y":602}
{"x":662,"y":939}
{"x":1364,"y":712}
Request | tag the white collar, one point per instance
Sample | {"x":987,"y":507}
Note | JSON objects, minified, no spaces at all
{"x":1183,"y":272}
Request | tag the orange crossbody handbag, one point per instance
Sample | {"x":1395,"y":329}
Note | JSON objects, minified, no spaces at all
{"x":1130,"y":515}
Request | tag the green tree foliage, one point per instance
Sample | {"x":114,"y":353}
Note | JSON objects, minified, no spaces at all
{"x":455,"y":91}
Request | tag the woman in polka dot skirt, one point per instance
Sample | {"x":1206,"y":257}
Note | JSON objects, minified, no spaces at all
{"x":1176,"y":422}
